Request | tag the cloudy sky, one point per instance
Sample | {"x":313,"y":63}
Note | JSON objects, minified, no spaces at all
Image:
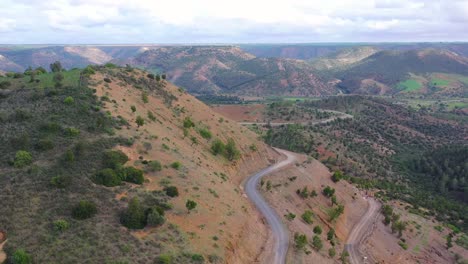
{"x":231,"y":21}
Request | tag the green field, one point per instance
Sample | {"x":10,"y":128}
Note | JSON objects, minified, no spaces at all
{"x":453,"y":105}
{"x":439,"y":82}
{"x":409,"y":85}
{"x":47,"y":80}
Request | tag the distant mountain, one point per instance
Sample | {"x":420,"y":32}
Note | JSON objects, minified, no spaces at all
{"x":229,"y":69}
{"x":344,"y":57}
{"x":427,"y":71}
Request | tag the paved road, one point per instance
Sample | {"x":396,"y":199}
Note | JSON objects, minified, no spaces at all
{"x":280,"y":232}
{"x":359,"y":232}
{"x":341,"y":115}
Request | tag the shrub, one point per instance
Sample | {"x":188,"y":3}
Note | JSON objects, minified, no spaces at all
{"x":290,"y":216}
{"x":151,"y":116}
{"x":205,"y":133}
{"x":328,"y":191}
{"x":150,"y":76}
{"x":337,"y":176}
{"x":190,"y":205}
{"x":317,"y":230}
{"x":155,"y":217}
{"x":144,"y":97}
{"x":176,"y":165}
{"x":217,"y":147}
{"x":133,"y":175}
{"x":88,"y":71}
{"x":110,"y":65}
{"x":68,"y":100}
{"x":56,"y":67}
{"x":72,"y":132}
{"x":107,"y":177}
{"x":164,"y":259}
{"x":61,"y":181}
{"x":332,"y":252}
{"x":61,"y":225}
{"x":107,"y":80}
{"x":5,"y":84}
{"x":69,"y":156}
{"x":198,"y":258}
{"x":114,"y":159}
{"x":45,"y":144}
{"x":307,"y":217}
{"x":317,"y":243}
{"x":133,"y":108}
{"x":20,"y":256}
{"x":140,"y":121}
{"x":331,"y":234}
{"x":232,"y":153}
{"x":300,"y":241}
{"x":154,"y":165}
{"x":188,"y":123}
{"x":84,"y":210}
{"x":22,"y":158}
{"x":134,"y":217}
{"x":171,"y":191}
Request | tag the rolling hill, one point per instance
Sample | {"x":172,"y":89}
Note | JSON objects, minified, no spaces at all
{"x":424,"y":72}
{"x":91,"y":158}
{"x":228,"y":69}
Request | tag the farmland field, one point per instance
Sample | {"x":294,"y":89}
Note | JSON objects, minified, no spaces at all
{"x":410,"y":85}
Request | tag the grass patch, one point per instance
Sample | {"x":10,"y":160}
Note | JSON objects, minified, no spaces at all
{"x":409,"y":85}
{"x":440,"y":82}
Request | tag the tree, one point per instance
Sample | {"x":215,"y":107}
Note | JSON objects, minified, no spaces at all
{"x":307,"y":217}
{"x":22,"y":158}
{"x":190,"y":205}
{"x":56,"y":67}
{"x":331,"y":234}
{"x":84,"y":210}
{"x":133,"y":175}
{"x":300,"y":241}
{"x":399,"y":226}
{"x":171,"y":191}
{"x":20,"y":256}
{"x":334,"y":213}
{"x":114,"y":159}
{"x":317,"y":230}
{"x":328,"y":191}
{"x":337,"y":176}
{"x":449,"y":241}
{"x":144,"y":97}
{"x":188,"y":123}
{"x":333,"y":200}
{"x":134,"y":217}
{"x":232,"y":153}
{"x":156,"y":217}
{"x":107,"y":177}
{"x":133,"y":108}
{"x":332,"y":252}
{"x":140,"y":121}
{"x":317,"y":243}
{"x":163,"y":76}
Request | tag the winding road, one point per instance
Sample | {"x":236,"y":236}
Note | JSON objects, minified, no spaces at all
{"x":360,"y":231}
{"x":341,"y":115}
{"x":280,"y":232}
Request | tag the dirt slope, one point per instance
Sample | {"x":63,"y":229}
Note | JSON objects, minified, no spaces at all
{"x":224,"y":223}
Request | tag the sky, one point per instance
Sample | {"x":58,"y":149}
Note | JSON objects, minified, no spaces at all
{"x":233,"y":21}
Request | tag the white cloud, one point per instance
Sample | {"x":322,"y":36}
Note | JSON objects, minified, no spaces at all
{"x":176,"y":21}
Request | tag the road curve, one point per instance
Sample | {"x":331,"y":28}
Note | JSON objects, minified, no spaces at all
{"x":279,"y":231}
{"x":359,"y":232}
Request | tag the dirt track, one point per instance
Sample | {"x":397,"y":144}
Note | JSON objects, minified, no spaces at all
{"x":359,"y":232}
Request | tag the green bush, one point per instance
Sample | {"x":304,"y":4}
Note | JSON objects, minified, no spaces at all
{"x":140,"y":121}
{"x":114,"y":159}
{"x":61,"y":225}
{"x":317,"y":243}
{"x":108,"y":177}
{"x":188,"y":123}
{"x":317,"y":230}
{"x":134,"y":217}
{"x":22,"y":158}
{"x":164,"y":259}
{"x":151,"y":116}
{"x":198,"y":258}
{"x":217,"y":147}
{"x":133,"y":175}
{"x":45,"y":144}
{"x":72,"y":132}
{"x":154,"y":165}
{"x":20,"y":256}
{"x":332,"y":252}
{"x":176,"y":165}
{"x":107,"y":80}
{"x":205,"y":133}
{"x":307,"y":217}
{"x":190,"y":205}
{"x":144,"y":97}
{"x":84,"y":210}
{"x":300,"y":241}
{"x":232,"y":153}
{"x":68,"y":100}
{"x":328,"y":191}
{"x":155,"y":217}
{"x":61,"y":181}
{"x":171,"y":191}
{"x":337,"y":176}
{"x":133,"y":108}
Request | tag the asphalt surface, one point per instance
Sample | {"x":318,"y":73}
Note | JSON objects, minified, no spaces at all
{"x":359,"y":232}
{"x":280,"y":233}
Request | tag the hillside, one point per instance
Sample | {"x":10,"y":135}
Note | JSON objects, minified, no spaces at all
{"x":419,"y":72}
{"x":343,"y":58}
{"x":78,"y":150}
{"x":230,"y":70}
